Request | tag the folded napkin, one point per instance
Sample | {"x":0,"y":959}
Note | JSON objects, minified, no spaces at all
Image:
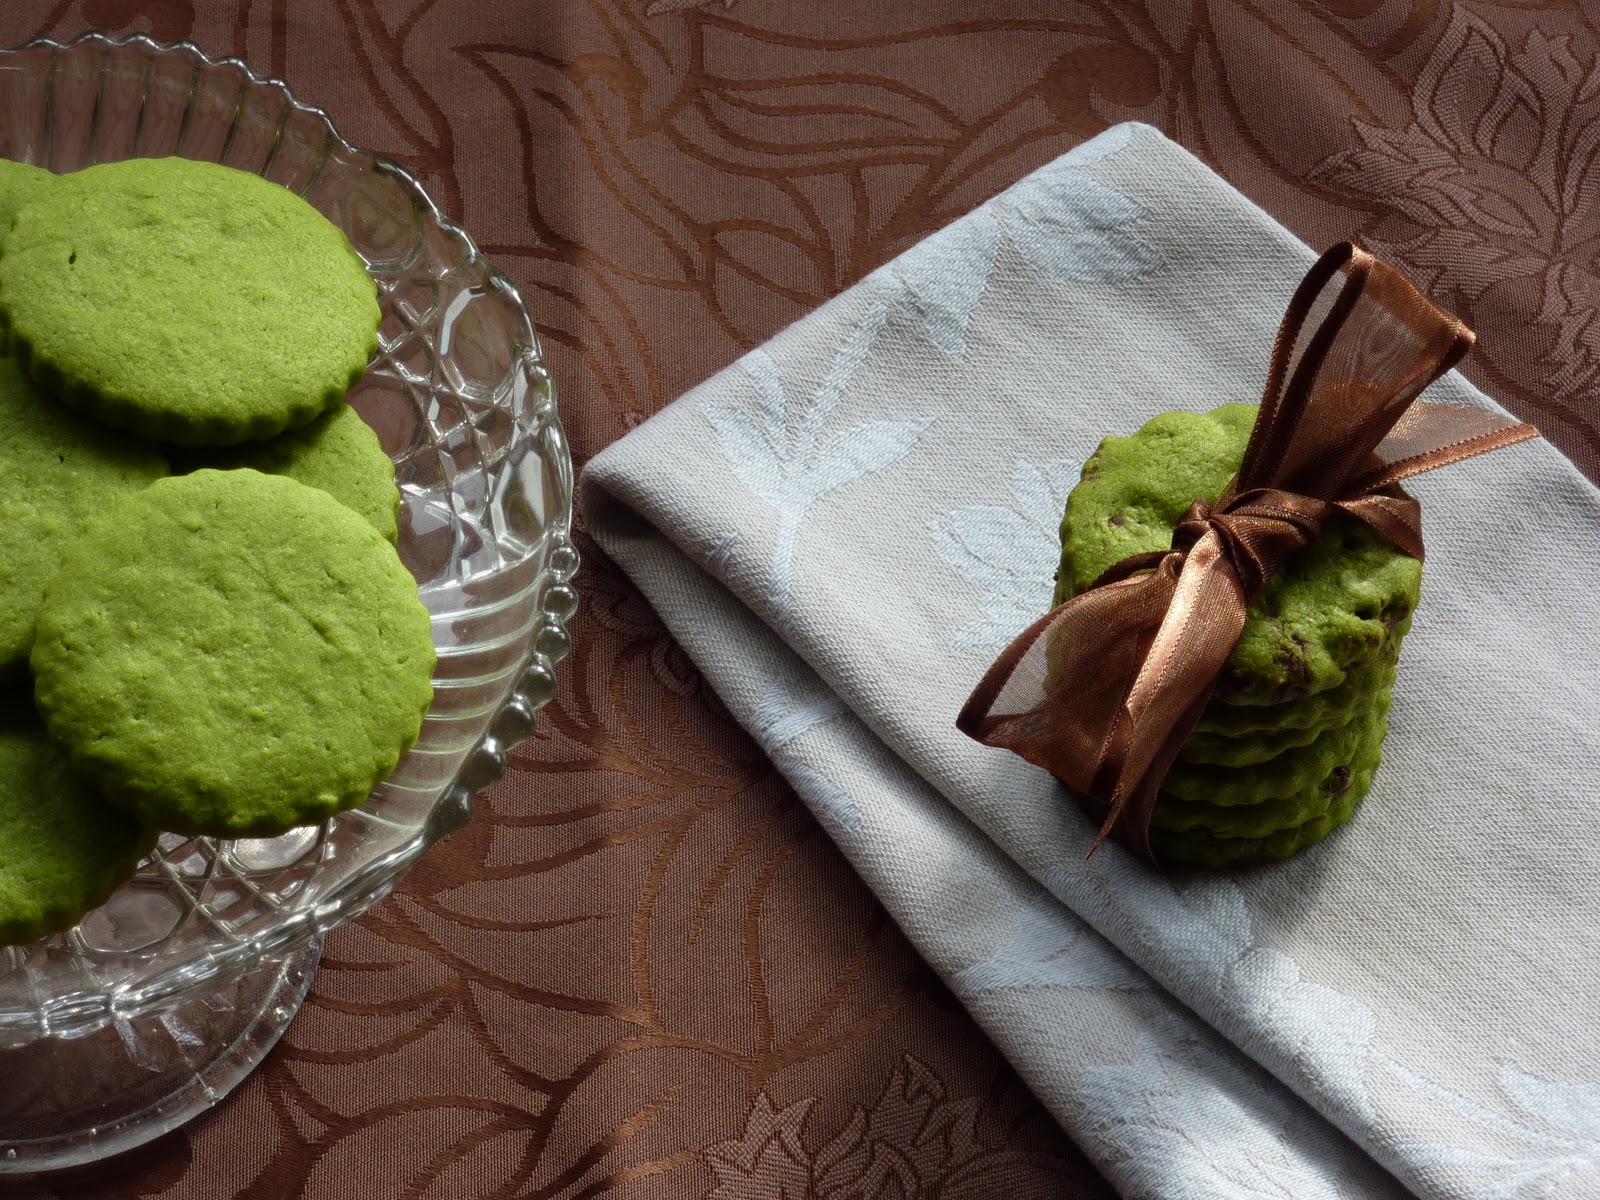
{"x":844,"y":528}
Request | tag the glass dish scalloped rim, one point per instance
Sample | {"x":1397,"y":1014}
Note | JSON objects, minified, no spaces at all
{"x":482,"y":765}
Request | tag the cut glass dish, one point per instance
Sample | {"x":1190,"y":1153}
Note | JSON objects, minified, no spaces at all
{"x":165,"y":998}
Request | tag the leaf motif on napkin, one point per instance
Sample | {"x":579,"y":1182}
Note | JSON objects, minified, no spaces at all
{"x":1010,"y":552}
{"x":1063,"y":222}
{"x":1077,"y":229}
{"x":1164,"y":1117}
{"x":943,"y":277}
{"x":1050,"y":948}
{"x":788,"y":710}
{"x":1556,"y":1137}
{"x":1201,"y":937}
{"x":778,"y":449}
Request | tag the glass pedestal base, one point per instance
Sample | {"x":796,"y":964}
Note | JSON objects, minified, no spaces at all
{"x":69,"y":1101}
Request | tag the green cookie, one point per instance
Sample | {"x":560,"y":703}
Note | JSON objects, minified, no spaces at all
{"x":186,"y":302}
{"x":19,"y":183}
{"x":1325,"y":710}
{"x":1199,"y":849}
{"x":1329,"y":608}
{"x":338,"y":453}
{"x":63,"y":850}
{"x":1248,"y":749}
{"x":231,"y":653}
{"x":58,"y":472}
{"x":1269,"y":816}
{"x":1290,"y":772}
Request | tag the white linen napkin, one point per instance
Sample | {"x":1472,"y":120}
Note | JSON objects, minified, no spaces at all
{"x":846,"y":525}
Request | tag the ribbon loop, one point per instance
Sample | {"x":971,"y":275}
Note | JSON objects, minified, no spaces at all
{"x":1104,"y":690}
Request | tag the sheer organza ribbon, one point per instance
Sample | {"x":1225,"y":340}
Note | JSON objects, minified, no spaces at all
{"x":1103,"y":691}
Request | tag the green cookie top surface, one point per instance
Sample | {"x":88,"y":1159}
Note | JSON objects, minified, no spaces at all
{"x":231,"y":653}
{"x":63,"y":849}
{"x":186,"y":302}
{"x":58,"y":473}
{"x":19,"y":183}
{"x":338,"y":453}
{"x":1327,"y":609}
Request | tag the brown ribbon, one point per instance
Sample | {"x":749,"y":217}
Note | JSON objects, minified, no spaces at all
{"x":1103,"y":691}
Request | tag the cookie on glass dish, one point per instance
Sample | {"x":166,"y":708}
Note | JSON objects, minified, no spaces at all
{"x":63,"y":849}
{"x":338,"y":453}
{"x":58,"y":473}
{"x":233,"y":654}
{"x":186,"y":302}
{"x":19,"y":184}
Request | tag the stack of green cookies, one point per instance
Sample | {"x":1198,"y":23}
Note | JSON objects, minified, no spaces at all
{"x":231,"y":651}
{"x":1287,"y":746}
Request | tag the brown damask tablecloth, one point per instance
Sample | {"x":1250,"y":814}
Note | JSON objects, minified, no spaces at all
{"x":642,"y":970}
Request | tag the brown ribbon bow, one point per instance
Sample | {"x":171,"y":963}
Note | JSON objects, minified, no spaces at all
{"x":1131,"y":662}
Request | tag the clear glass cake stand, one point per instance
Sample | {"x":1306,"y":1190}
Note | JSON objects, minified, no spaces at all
{"x":164,"y":999}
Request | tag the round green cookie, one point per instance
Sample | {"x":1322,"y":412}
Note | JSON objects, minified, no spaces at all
{"x":1249,"y":749}
{"x":58,"y":472}
{"x":338,"y":453}
{"x":1269,"y":816}
{"x":1288,"y":773}
{"x":1329,"y":608}
{"x":1199,"y":849}
{"x":19,"y":183}
{"x":186,"y":302}
{"x":63,"y":849}
{"x":231,"y":653}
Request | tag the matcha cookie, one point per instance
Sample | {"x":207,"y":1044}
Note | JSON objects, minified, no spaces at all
{"x":1199,"y":849}
{"x":1325,"y":710}
{"x":58,"y":472}
{"x":19,"y":183}
{"x":1328,"y":609}
{"x":186,"y":302}
{"x":338,"y":453}
{"x":1269,"y":816}
{"x":231,"y":653}
{"x":63,"y":850}
{"x":1288,"y":773}
{"x":1248,"y":749}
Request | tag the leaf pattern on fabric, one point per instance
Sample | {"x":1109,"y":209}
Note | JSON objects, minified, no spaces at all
{"x":1066,"y":224}
{"x":913,"y":1141}
{"x":1202,"y":944}
{"x":1186,"y":1119}
{"x":1077,"y":230}
{"x":779,"y":452}
{"x":943,"y":277}
{"x":1547,"y":1143}
{"x":1010,"y":552}
{"x":786,"y":712}
{"x":1051,"y":948}
{"x":1323,"y":1042}
{"x":1496,"y":181}
{"x":1176,"y":1133}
